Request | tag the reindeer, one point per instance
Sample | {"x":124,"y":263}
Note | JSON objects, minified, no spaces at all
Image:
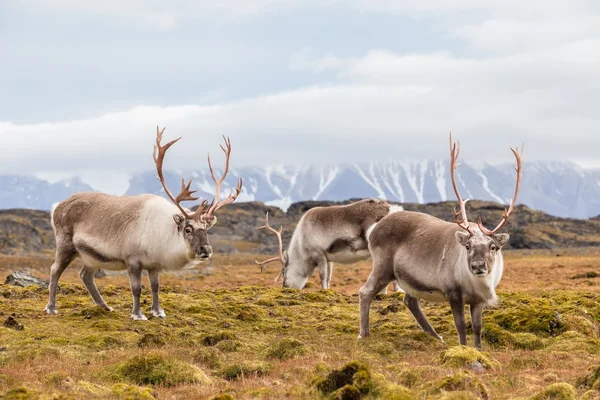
{"x":135,"y":233}
{"x":439,"y":261}
{"x":326,"y":235}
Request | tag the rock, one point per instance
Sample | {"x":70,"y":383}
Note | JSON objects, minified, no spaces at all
{"x":12,"y":323}
{"x":24,"y":279}
{"x":476,"y":366}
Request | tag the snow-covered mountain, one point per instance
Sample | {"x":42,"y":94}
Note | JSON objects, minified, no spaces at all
{"x":558,"y":188}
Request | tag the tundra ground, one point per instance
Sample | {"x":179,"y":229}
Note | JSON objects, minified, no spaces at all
{"x":230,"y":330}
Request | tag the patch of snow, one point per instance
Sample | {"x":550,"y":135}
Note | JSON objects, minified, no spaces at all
{"x":373,"y":183}
{"x":324,"y":182}
{"x":283,"y":203}
{"x":440,"y":179}
{"x":486,"y":187}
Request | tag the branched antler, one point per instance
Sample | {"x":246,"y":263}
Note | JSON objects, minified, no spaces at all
{"x":464,"y":222}
{"x":185,"y":194}
{"x":280,"y":257}
{"x":508,"y":211}
{"x":217,"y":202}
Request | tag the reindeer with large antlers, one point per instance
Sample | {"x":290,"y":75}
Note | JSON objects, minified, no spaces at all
{"x":325,"y":235}
{"x":135,"y":233}
{"x":439,"y":261}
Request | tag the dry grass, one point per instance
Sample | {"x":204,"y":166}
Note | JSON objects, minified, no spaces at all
{"x":225,"y":336}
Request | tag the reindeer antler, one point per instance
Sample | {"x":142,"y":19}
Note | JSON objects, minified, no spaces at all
{"x":185,"y":194}
{"x":217,"y":203}
{"x":280,"y":256}
{"x":464,"y":222}
{"x":508,"y":211}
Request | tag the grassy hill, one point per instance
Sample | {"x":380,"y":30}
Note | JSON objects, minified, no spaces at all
{"x":29,"y":231}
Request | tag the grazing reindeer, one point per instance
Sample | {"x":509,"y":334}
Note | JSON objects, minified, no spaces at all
{"x":326,"y":235}
{"x":439,"y":261}
{"x":136,"y":233}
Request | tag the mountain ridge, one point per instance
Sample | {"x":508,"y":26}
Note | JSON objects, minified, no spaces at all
{"x":560,"y":188}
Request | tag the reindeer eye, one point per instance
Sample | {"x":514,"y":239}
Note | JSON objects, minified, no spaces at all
{"x":493,"y":247}
{"x":467,"y":246}
{"x":189,"y":230}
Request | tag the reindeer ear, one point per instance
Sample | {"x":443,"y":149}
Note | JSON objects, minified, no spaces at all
{"x":179,"y":220}
{"x":462,"y":237}
{"x":213,"y":221}
{"x":286,"y":257}
{"x":502,"y":238}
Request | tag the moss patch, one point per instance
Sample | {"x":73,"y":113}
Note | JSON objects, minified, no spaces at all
{"x":153,"y":369}
{"x":213,"y":339}
{"x":285,"y":349}
{"x":245,"y":369}
{"x":459,"y":382}
{"x":353,"y":377}
{"x":461,"y":356}
{"x":557,"y":391}
{"x":592,"y":380}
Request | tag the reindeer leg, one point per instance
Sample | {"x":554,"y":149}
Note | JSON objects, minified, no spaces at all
{"x":476,"y":314}
{"x":65,"y":253}
{"x":87,"y":277}
{"x":415,"y":308}
{"x":397,"y":287}
{"x":367,"y":292}
{"x":323,"y":266}
{"x":329,"y":273}
{"x":135,"y":282}
{"x":458,"y":312}
{"x":155,"y":309}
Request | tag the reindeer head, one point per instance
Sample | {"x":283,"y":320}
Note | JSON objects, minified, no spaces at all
{"x":482,"y":245}
{"x":283,"y":257}
{"x":194,"y":226}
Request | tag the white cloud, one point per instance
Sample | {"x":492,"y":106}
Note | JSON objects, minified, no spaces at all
{"x":523,"y":72}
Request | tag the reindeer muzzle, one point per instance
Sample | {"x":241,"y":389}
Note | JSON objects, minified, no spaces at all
{"x":204,"y":252}
{"x":479,"y":268}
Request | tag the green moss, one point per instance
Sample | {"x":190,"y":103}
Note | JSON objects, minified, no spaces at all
{"x":20,"y":394}
{"x":459,"y":382}
{"x":460,"y":395}
{"x":574,"y":342}
{"x":229,"y":346}
{"x":130,"y":392}
{"x":355,"y":374}
{"x":55,"y":378}
{"x":557,"y":391}
{"x":285,"y":349}
{"x":523,"y":313}
{"x":591,"y":395}
{"x":153,"y":369}
{"x":461,"y":356}
{"x":213,"y":339}
{"x":246,"y":369}
{"x":591,"y":380}
{"x":347,"y":392}
{"x":396,"y":392}
{"x":151,"y":340}
{"x":209,"y":356}
{"x":527,"y":341}
{"x":222,"y":396}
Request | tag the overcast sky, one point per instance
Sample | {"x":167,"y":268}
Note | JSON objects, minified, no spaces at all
{"x":83,"y":84}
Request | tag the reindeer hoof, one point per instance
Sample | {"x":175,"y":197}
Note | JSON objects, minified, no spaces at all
{"x":139,"y":317}
{"x":362,"y":337}
{"x":107,"y":308}
{"x":51,"y":310}
{"x":158,"y":313}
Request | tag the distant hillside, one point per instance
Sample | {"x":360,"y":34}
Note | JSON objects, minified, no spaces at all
{"x":559,"y":188}
{"x":29,"y":231}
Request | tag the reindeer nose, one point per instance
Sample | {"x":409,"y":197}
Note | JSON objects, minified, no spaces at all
{"x":204,"y":251}
{"x":478,"y":267}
